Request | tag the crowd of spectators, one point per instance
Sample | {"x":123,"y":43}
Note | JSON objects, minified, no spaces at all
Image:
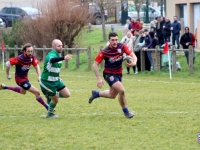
{"x":159,"y":32}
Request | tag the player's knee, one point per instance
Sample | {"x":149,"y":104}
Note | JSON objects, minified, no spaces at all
{"x":23,"y":92}
{"x":113,"y":96}
{"x":67,"y":95}
{"x":37,"y":93}
{"x":122,"y":92}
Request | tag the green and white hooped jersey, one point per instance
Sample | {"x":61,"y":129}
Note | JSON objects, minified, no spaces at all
{"x":51,"y":70}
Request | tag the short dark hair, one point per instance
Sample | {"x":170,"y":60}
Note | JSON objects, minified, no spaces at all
{"x":146,"y":30}
{"x":27,"y":45}
{"x":112,"y":34}
{"x":137,"y":30}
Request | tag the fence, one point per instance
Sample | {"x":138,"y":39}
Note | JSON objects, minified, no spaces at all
{"x":76,"y":51}
{"x":45,"y":50}
{"x":157,"y":60}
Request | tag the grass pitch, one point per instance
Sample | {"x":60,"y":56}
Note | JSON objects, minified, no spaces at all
{"x":166,"y":115}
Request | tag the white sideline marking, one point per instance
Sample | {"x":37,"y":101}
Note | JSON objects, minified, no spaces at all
{"x":98,"y":114}
{"x":138,"y":80}
{"x":84,"y":114}
{"x":176,"y":112}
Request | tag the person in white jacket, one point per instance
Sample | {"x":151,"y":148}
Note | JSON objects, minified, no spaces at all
{"x":128,"y":40}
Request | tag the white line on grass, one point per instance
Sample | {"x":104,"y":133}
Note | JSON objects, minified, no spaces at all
{"x":138,"y":80}
{"x":98,"y":114}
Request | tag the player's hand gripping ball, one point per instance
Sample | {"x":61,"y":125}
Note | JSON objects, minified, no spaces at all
{"x":128,"y":61}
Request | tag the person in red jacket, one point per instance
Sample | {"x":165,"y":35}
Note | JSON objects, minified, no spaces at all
{"x":134,"y":26}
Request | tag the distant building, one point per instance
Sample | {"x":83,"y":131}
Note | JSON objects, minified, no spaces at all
{"x":188,"y":12}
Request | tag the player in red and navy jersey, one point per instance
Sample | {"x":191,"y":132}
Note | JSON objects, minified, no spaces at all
{"x":22,"y":65}
{"x":113,"y":56}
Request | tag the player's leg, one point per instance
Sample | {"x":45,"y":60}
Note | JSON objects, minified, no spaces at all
{"x":63,"y":91}
{"x":118,"y":86}
{"x":110,"y":79}
{"x":12,"y":88}
{"x":50,"y":89}
{"x":27,"y":86}
{"x":52,"y":106}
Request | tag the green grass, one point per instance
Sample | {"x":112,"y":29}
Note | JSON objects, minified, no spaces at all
{"x":166,"y":112}
{"x":166,"y":115}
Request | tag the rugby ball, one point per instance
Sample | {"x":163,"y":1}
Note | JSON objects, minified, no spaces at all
{"x":128,"y":59}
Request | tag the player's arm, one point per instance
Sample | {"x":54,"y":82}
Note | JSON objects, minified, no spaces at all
{"x":129,"y":52}
{"x":37,"y":69}
{"x":96,"y":72}
{"x":97,"y":61}
{"x":134,"y":58}
{"x":12,"y":61}
{"x":57,"y":59}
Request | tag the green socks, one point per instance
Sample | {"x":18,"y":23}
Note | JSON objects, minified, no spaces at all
{"x":51,"y":108}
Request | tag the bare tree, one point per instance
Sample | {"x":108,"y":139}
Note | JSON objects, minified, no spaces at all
{"x":104,"y":5}
{"x":59,"y":19}
{"x":138,"y":5}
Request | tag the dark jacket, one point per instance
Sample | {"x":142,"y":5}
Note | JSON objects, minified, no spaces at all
{"x":185,"y":38}
{"x":142,"y":39}
{"x":176,"y":27}
{"x":154,"y":40}
{"x":166,"y":29}
{"x":148,"y":41}
{"x":159,"y":31}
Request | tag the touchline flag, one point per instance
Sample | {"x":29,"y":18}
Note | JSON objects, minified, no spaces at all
{"x":166,"y":51}
{"x":166,"y":48}
{"x":2,"y":49}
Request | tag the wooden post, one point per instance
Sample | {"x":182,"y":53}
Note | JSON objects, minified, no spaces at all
{"x":89,"y":27}
{"x":65,"y":53}
{"x":173,"y":59}
{"x":191,"y":66}
{"x":142,"y":60}
{"x":34,"y":51}
{"x":89,"y":58}
{"x":7,"y":53}
{"x":77,"y":57}
{"x":157,"y":63}
{"x":16,"y":51}
{"x":44,"y":53}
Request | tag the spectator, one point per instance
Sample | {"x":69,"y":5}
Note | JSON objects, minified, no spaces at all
{"x":154,"y":40}
{"x":130,"y":23}
{"x":167,"y":30}
{"x":153,"y":46}
{"x":159,"y":28}
{"x":195,"y":35}
{"x":153,"y":29}
{"x":188,"y":39}
{"x":176,"y":28}
{"x":140,"y":24}
{"x":148,"y":45}
{"x":128,"y":41}
{"x":136,"y":48}
{"x":126,"y":27}
{"x":106,"y":15}
{"x":134,"y":26}
{"x":153,"y":24}
{"x":141,"y":45}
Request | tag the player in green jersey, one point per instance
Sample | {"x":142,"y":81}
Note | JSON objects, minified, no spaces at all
{"x":50,"y":82}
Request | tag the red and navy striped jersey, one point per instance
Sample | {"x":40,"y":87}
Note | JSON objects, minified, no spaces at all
{"x":113,"y":58}
{"x":22,"y":65}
